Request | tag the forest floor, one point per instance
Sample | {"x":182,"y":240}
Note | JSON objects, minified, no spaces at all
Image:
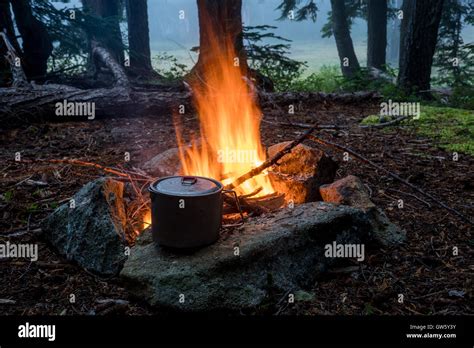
{"x":424,"y":269}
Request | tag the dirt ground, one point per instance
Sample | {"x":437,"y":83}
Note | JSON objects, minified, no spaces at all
{"x":424,"y":269}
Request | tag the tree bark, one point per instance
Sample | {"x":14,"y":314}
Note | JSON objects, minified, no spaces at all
{"x":138,"y":35}
{"x":6,"y":26}
{"x":377,"y":33}
{"x":419,"y":36}
{"x":342,"y":34}
{"x":37,"y":45}
{"x":111,"y":38}
{"x":103,"y":54}
{"x":17,"y":75}
{"x":220,"y":25}
{"x":404,"y":29}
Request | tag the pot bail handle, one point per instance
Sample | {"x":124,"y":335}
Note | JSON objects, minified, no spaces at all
{"x":236,"y":198}
{"x":188,"y":180}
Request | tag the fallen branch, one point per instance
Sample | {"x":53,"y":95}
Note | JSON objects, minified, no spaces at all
{"x":19,"y":77}
{"x":411,"y":195}
{"x":393,"y":175}
{"x":120,"y":173}
{"x":385,"y":124}
{"x":271,"y":161}
{"x":304,"y":125}
{"x":121,"y":79}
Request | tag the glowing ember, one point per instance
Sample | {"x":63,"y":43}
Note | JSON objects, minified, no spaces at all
{"x":146,"y":219}
{"x":229,"y":118}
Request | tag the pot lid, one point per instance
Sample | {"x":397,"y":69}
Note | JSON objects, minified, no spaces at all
{"x":186,"y":186}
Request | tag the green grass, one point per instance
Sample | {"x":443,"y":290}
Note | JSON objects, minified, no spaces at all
{"x":452,"y":128}
{"x":327,"y":79}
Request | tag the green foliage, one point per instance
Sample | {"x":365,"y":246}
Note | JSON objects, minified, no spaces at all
{"x":169,"y":66}
{"x":69,"y":28}
{"x":308,"y":11}
{"x":451,"y":46}
{"x":8,"y":196}
{"x":371,"y":120}
{"x":69,"y":40}
{"x":354,"y":9}
{"x":462,"y":97}
{"x":327,"y":79}
{"x":32,"y":208}
{"x":269,"y":54}
{"x":452,"y":128}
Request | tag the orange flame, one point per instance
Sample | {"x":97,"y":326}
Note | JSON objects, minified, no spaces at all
{"x":229,"y":144}
{"x":146,"y":219}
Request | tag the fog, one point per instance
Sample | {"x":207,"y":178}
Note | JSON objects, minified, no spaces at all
{"x":174,"y":35}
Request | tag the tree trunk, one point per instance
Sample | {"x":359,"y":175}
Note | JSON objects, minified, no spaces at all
{"x":220,"y":25}
{"x":111,"y":37}
{"x":457,"y":41}
{"x":37,"y":46}
{"x":342,"y":34}
{"x":138,"y":35}
{"x":377,"y":33}
{"x":404,"y":30}
{"x":6,"y":26}
{"x":418,"y":43}
{"x":393,"y":35}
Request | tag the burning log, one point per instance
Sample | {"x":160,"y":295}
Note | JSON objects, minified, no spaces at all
{"x":271,"y":161}
{"x":299,"y":174}
{"x":246,"y":206}
{"x":271,"y":202}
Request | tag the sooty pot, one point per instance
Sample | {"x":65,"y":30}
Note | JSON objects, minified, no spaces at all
{"x":186,"y":211}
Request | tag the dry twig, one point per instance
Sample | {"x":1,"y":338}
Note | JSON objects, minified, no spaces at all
{"x":389,"y":173}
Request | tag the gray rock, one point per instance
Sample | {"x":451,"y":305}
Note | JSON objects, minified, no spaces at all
{"x":348,"y":191}
{"x":283,"y":251}
{"x":166,"y":163}
{"x":91,"y":233}
{"x":301,"y":172}
{"x":351,"y":191}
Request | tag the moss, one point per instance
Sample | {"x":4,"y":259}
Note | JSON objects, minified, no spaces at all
{"x":452,"y":128}
{"x":303,"y":296}
{"x":371,"y":119}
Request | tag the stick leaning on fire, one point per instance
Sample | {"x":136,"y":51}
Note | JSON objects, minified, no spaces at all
{"x":307,"y":135}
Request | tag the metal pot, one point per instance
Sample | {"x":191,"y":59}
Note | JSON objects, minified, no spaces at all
{"x":186,"y":211}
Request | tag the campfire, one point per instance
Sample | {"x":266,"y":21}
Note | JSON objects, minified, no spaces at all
{"x":229,"y":144}
{"x":229,"y":152}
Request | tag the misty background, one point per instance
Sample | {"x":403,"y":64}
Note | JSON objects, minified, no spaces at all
{"x":175,"y":36}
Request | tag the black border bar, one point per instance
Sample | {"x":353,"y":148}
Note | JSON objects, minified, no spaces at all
{"x":186,"y":329}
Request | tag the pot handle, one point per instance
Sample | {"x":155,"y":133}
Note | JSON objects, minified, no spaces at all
{"x":188,"y":180}
{"x":238,"y":207}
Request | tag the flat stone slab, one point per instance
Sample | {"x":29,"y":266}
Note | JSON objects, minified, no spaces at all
{"x":270,"y":254}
